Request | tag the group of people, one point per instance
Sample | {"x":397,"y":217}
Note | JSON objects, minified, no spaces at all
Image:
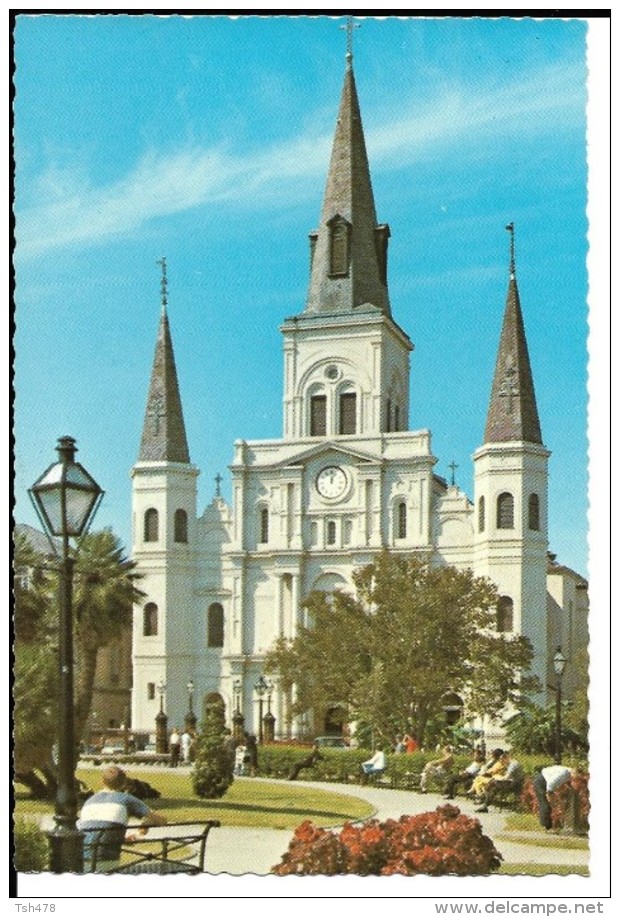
{"x":245,"y":753}
{"x":181,"y":747}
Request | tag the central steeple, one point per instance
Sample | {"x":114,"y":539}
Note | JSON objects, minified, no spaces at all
{"x":349,"y":249}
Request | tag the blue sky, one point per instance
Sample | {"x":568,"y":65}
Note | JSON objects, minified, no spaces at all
{"x":206,"y":139}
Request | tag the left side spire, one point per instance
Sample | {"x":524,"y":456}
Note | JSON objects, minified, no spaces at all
{"x":163,"y":431}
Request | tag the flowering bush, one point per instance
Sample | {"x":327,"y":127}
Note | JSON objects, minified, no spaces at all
{"x":439,"y":843}
{"x":559,"y":800}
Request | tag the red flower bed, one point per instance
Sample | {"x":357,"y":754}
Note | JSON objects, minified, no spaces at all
{"x":559,"y":799}
{"x":439,"y":843}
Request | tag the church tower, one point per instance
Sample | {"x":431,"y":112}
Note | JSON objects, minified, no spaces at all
{"x":164,"y":536}
{"x":346,"y":361}
{"x":510,"y":483}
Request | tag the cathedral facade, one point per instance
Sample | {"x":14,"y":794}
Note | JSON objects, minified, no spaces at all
{"x":347,"y":478}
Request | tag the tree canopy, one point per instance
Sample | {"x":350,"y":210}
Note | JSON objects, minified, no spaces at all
{"x":104,"y":592}
{"x":391,"y":651}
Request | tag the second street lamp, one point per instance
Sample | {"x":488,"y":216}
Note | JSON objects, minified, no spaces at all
{"x":261,"y":687}
{"x":190,"y":716}
{"x":559,"y":664}
{"x":66,"y":498}
{"x":161,"y":723}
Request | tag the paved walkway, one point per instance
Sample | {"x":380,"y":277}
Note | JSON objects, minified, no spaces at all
{"x":255,"y":850}
{"x":238,"y":851}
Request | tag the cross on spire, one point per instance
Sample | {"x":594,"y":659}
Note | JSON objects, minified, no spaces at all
{"x":511,"y":230}
{"x":452,"y":466}
{"x":218,"y":481}
{"x":164,"y":284}
{"x":349,"y":28}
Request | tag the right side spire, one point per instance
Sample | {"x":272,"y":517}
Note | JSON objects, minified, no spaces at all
{"x":512,"y":414}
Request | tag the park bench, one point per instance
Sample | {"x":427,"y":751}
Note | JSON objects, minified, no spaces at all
{"x":181,"y":849}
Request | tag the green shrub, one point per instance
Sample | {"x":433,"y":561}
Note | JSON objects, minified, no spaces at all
{"x":31,"y":847}
{"x":213,"y":768}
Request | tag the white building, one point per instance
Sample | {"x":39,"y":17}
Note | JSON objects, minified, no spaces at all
{"x":347,"y":477}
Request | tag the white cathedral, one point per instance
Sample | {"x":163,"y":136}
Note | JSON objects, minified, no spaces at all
{"x":347,"y":478}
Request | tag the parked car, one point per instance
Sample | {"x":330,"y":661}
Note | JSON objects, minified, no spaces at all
{"x":331,"y":742}
{"x":110,"y":749}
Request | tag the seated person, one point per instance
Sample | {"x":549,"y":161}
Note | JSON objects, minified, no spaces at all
{"x":374,"y":765}
{"x":466,"y":776}
{"x":309,"y":761}
{"x":511,"y":778}
{"x":110,"y":809}
{"x":494,"y":766}
{"x":437,"y":769}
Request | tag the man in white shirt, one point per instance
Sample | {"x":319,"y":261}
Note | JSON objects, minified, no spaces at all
{"x":374,"y":765}
{"x":545,"y":782}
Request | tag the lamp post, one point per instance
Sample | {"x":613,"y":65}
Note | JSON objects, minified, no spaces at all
{"x":238,"y":718}
{"x":161,"y":723}
{"x":559,"y":664}
{"x":261,"y":687}
{"x":65,"y":499}
{"x":190,"y":716}
{"x":269,"y":719}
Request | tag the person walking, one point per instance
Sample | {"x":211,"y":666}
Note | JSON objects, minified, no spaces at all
{"x":186,"y":744}
{"x":174,"y":743}
{"x":104,"y":820}
{"x":252,"y":754}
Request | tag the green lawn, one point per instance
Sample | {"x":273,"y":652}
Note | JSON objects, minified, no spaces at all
{"x":248,"y":803}
{"x":540,"y":869}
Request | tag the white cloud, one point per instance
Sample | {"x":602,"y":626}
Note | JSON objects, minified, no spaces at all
{"x":72,"y":211}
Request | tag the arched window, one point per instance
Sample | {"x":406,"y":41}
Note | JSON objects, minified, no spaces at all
{"x":388,"y":416}
{"x":264,"y":525}
{"x":151,"y":525}
{"x":505,"y":511}
{"x":396,"y":418}
{"x":533,"y":512}
{"x":318,"y":415}
{"x":505,"y":614}
{"x":481,"y":515}
{"x":215,"y":625}
{"x":339,"y":247}
{"x":331,"y":532}
{"x":348,"y":419}
{"x":180,"y":526}
{"x":401,"y":520}
{"x":149,"y":620}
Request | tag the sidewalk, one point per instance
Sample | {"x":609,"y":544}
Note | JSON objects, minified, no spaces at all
{"x":237,"y":851}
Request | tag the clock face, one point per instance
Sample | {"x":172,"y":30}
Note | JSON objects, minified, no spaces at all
{"x":331,"y":482}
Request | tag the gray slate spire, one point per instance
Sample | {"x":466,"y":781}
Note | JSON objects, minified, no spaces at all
{"x":349,"y":261}
{"x":163,"y":433}
{"x":513,"y":414}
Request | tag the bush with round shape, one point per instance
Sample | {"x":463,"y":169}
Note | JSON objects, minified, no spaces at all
{"x":440,"y":843}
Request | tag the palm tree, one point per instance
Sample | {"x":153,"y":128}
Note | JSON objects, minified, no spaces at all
{"x":105,"y":592}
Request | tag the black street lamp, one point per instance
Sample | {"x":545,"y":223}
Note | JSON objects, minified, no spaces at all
{"x":261,"y":687}
{"x":238,"y":718}
{"x":559,"y":664}
{"x":190,"y":716}
{"x":269,"y":719}
{"x":161,"y":723}
{"x":66,"y":498}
